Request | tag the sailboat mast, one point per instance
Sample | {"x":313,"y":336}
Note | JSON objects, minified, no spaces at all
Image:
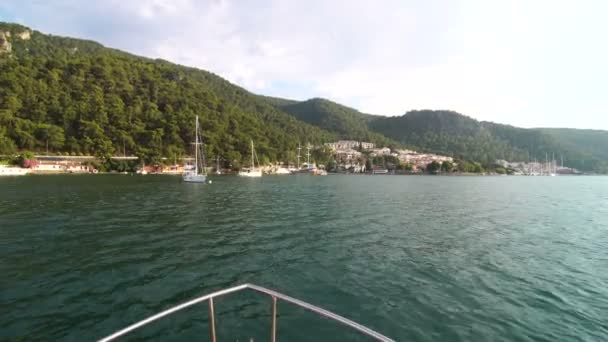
{"x":252,"y":163}
{"x":196,"y":148}
{"x":299,"y":149}
{"x":308,"y":155}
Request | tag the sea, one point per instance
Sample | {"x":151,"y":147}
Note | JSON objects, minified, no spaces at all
{"x":416,"y":258}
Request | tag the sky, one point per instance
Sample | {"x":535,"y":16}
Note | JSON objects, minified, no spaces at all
{"x":541,"y":63}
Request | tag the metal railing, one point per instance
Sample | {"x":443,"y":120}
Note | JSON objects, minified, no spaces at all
{"x":273,"y":332}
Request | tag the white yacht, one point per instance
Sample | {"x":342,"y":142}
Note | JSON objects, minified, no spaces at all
{"x":252,"y":171}
{"x":12,"y":171}
{"x":196,"y":175}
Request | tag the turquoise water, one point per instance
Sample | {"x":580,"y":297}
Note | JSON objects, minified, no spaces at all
{"x":415,"y":258}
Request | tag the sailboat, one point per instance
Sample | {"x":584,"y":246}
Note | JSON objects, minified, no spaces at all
{"x":218,"y":171}
{"x":553,"y":172}
{"x":252,"y":171}
{"x":198,"y":174}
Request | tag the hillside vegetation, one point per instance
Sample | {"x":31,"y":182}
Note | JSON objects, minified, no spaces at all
{"x":77,"y":96}
{"x":346,"y":122}
{"x":457,"y":135}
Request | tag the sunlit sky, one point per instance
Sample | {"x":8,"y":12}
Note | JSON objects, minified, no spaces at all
{"x":540,"y":63}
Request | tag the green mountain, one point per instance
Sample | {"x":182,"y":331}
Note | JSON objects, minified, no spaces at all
{"x":346,"y":122}
{"x":453,"y":134}
{"x":76,"y":96}
{"x":593,"y":143}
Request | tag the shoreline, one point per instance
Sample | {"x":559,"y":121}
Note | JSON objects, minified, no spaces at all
{"x":454,"y":174}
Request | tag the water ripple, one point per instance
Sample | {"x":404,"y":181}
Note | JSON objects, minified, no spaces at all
{"x":417,"y":258}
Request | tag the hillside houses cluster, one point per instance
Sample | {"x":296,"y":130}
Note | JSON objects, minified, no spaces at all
{"x":350,"y":154}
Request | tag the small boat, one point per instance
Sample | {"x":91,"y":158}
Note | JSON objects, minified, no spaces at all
{"x":252,"y":171}
{"x":12,"y":171}
{"x":379,"y":171}
{"x":197,"y":174}
{"x":274,"y":297}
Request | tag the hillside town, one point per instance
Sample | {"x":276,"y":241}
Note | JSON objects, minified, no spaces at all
{"x":354,"y":155}
{"x":347,"y":156}
{"x":344,"y":156}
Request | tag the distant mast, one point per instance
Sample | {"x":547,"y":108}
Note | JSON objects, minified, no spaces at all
{"x":252,"y":164}
{"x":196,"y":149}
{"x":308,"y":155}
{"x":299,"y":148}
{"x":193,"y":176}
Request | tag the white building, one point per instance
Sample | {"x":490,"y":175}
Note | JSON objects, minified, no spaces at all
{"x":421,"y":160}
{"x":347,"y":154}
{"x":349,"y":145}
{"x":385,"y":151}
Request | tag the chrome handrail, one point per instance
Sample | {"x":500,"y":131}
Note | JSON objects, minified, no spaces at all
{"x":274,"y":294}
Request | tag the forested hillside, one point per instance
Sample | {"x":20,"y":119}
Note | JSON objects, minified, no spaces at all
{"x":347,"y":123}
{"x":77,"y":96}
{"x":457,"y":135}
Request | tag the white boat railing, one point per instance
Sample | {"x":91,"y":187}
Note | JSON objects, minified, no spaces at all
{"x":273,"y":332}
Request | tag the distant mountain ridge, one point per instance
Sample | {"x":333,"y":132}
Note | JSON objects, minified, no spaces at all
{"x":77,"y":96}
{"x":460,"y":136}
{"x":451,"y":133}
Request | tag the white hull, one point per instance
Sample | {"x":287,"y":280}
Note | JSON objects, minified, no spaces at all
{"x":254,"y":173}
{"x":13,"y":171}
{"x":282,"y":171}
{"x":194,"y":178}
{"x":193,"y":175}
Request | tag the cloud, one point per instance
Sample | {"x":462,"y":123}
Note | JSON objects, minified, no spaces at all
{"x":528,"y":64}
